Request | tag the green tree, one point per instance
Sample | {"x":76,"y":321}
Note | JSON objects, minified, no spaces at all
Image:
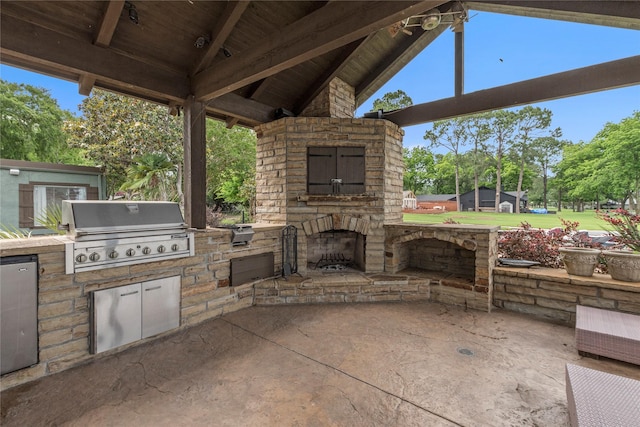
{"x":546,"y":151}
{"x":531,"y":123}
{"x":477,"y":131}
{"x":419,"y":168}
{"x":444,"y":179}
{"x":152,"y":176}
{"x":511,"y":175}
{"x":392,"y":101}
{"x":577,"y":173}
{"x":117,"y":129}
{"x":32,"y":126}
{"x":231,"y":164}
{"x":619,"y":165}
{"x":449,"y":134}
{"x":503,"y":126}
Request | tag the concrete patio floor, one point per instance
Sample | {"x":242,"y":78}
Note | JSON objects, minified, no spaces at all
{"x":382,"y":364}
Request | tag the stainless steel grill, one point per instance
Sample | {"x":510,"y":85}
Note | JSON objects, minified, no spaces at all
{"x":115,"y":233}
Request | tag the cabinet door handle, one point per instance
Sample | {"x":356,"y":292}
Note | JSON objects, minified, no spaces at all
{"x":153,"y":289}
{"x":129,"y":293}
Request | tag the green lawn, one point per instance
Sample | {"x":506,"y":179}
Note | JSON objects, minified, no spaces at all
{"x":588,"y":220}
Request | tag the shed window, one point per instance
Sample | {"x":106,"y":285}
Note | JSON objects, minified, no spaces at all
{"x":50,"y":195}
{"x":36,"y":197}
{"x":335,"y":170}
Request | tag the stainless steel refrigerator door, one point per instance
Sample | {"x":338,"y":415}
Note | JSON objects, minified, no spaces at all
{"x":18,"y":315}
{"x":160,"y":305}
{"x":116,"y":317}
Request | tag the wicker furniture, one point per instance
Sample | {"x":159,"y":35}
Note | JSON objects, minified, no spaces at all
{"x":608,"y":333}
{"x":596,"y":398}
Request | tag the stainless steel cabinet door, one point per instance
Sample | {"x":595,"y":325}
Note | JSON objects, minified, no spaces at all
{"x":18,"y":315}
{"x":116,"y":317}
{"x":160,"y":305}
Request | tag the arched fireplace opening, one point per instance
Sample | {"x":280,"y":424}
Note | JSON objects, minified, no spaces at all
{"x":441,"y":259}
{"x":336,"y":250}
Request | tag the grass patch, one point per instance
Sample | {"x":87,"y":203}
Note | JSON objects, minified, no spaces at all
{"x":588,"y":220}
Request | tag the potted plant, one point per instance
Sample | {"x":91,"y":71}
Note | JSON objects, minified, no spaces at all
{"x":579,"y":261}
{"x":623,"y":261}
{"x":578,"y":251}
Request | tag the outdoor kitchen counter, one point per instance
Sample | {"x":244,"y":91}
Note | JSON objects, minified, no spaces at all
{"x":206,"y":290}
{"x":32,"y":245}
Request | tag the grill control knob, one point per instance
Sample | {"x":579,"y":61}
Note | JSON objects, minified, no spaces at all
{"x":81,"y":258}
{"x":161,"y":249}
{"x":146,"y":250}
{"x":131,"y":252}
{"x":175,"y":247}
{"x":94,"y":256}
{"x":113,"y":254}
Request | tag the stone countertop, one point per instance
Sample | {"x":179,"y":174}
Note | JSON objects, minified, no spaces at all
{"x":36,"y":244}
{"x":560,"y":275}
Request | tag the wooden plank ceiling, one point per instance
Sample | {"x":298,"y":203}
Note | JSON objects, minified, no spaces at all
{"x":244,"y":59}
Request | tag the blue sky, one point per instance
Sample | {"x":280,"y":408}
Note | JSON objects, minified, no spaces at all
{"x":528,"y":47}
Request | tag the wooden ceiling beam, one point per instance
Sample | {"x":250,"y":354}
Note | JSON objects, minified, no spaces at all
{"x":348,"y":53}
{"x":612,"y":13}
{"x":330,"y":27}
{"x":110,"y":19}
{"x":25,"y":43}
{"x":248,"y":110}
{"x":395,"y":61}
{"x":608,"y":75}
{"x":223,"y":28}
{"x":85,"y":84}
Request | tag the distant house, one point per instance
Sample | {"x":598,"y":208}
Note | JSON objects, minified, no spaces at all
{"x":488,"y":200}
{"x":409,"y":200}
{"x":28,"y":188}
{"x":467,"y":201}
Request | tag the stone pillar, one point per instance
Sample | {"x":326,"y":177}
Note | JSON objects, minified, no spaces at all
{"x":338,"y":100}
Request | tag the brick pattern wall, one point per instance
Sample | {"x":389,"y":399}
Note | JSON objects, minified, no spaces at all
{"x":281,"y":172}
{"x":553,"y":294}
{"x":336,"y":288}
{"x":481,"y":241}
{"x":63,"y":312}
{"x":338,"y":99}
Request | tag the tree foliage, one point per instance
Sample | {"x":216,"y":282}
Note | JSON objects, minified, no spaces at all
{"x":152,"y":176}
{"x":141,"y":147}
{"x":532,"y":123}
{"x":117,"y":129}
{"x":392,"y":101}
{"x":419,"y":168}
{"x":606,"y":168}
{"x":31,"y":126}
{"x":231,"y":164}
{"x":450,"y":134}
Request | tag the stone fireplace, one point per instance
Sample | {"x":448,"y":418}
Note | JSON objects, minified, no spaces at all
{"x":338,"y":180}
{"x":333,"y":218}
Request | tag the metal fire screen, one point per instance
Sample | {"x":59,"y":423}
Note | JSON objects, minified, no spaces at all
{"x":289,"y":250}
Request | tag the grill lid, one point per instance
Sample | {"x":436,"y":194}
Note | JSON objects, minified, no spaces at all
{"x":85,"y":217}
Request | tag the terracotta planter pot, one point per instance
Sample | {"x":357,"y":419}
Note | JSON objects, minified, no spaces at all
{"x":624,"y":266}
{"x":580,"y":261}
